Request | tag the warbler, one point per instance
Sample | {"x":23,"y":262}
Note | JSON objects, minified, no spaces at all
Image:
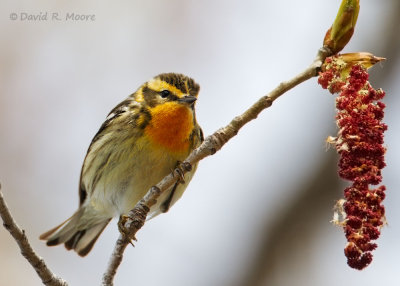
{"x":142,"y":140}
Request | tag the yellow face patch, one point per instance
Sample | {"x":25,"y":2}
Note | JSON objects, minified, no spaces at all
{"x":139,"y":95}
{"x":159,"y":85}
{"x":170,"y":126}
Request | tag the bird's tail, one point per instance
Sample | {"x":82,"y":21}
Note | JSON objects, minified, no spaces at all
{"x":75,"y":235}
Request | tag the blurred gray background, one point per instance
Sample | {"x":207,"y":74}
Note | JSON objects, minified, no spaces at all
{"x":257,"y":212}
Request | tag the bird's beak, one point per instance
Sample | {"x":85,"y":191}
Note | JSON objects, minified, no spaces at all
{"x":188,"y":99}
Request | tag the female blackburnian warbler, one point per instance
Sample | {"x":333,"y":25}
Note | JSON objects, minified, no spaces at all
{"x":141,"y":141}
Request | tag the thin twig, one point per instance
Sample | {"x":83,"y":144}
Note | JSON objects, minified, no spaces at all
{"x":211,"y":144}
{"x":47,"y":276}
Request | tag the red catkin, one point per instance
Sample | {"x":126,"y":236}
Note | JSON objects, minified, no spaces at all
{"x":360,"y":145}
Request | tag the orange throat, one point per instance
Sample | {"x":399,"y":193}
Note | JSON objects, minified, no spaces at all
{"x":170,"y":126}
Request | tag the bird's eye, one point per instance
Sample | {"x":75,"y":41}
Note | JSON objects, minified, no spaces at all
{"x":164,"y":93}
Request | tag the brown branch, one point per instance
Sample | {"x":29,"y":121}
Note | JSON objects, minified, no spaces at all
{"x":211,"y":144}
{"x":48,"y":278}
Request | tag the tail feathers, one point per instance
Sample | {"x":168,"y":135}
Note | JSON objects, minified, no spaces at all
{"x":45,"y":236}
{"x":80,"y":240}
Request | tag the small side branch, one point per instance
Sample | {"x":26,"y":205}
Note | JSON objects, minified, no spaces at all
{"x":210,"y":146}
{"x":48,"y":278}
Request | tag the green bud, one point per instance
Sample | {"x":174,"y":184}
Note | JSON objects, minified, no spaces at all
{"x":340,"y":33}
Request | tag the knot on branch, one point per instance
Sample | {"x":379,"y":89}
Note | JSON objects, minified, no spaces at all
{"x":138,"y":216}
{"x":236,"y":124}
{"x":7,"y":226}
{"x":151,"y":197}
{"x":213,"y":142}
{"x":216,"y":140}
{"x":186,"y":166}
{"x":182,"y":169}
{"x":268,"y":101}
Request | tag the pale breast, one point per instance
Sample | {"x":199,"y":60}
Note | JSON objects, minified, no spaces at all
{"x":126,"y":178}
